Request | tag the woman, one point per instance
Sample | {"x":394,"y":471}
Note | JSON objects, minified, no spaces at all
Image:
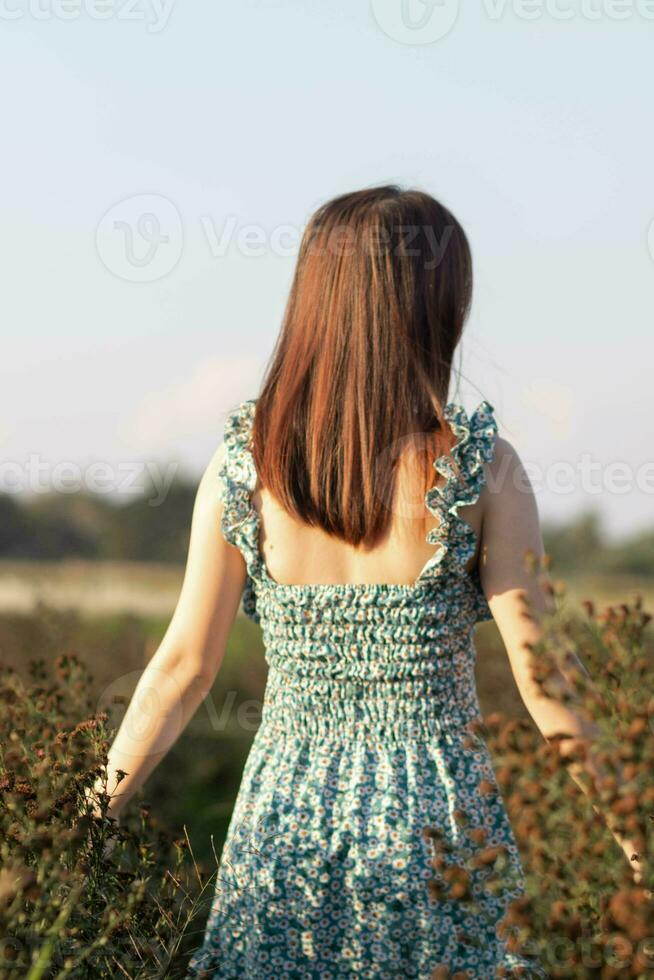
{"x":367,"y":573}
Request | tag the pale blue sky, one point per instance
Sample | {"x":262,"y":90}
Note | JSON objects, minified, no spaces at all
{"x":536,"y":133}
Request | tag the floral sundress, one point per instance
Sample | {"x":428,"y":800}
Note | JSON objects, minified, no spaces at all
{"x":364,"y":741}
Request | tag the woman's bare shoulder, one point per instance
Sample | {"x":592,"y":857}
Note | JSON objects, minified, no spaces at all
{"x":507,"y":479}
{"x":211,"y":487}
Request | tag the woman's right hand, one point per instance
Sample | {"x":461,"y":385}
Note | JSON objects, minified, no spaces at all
{"x":92,"y":809}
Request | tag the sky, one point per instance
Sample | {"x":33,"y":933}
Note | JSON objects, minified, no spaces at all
{"x":160,"y":160}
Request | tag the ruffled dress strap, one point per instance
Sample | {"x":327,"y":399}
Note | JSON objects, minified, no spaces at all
{"x":237,"y":481}
{"x":455,"y":539}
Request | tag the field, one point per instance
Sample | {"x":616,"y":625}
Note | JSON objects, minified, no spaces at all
{"x":113,"y":615}
{"x":151,"y":588}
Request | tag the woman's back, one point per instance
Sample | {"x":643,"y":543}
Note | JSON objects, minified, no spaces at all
{"x":296,"y":553}
{"x":365,"y":739}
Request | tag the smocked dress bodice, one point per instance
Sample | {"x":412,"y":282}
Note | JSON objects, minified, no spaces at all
{"x":369,"y":657}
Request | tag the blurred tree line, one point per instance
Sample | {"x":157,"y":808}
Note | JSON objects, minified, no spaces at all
{"x":582,"y":545}
{"x":80,"y":525}
{"x":83,"y":525}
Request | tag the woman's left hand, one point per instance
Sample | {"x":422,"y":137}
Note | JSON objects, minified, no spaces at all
{"x":636,"y":865}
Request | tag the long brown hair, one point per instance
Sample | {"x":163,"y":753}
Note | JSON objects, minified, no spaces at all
{"x":380,"y":295}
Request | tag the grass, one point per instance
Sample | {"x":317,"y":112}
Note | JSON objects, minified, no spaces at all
{"x":195,"y":785}
{"x":114,"y":614}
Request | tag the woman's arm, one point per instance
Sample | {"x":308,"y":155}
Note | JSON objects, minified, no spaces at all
{"x":511,"y":529}
{"x":181,"y":672}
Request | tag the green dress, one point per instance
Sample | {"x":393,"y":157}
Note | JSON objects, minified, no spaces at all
{"x":362,"y":743}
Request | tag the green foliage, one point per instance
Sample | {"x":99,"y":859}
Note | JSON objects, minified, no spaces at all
{"x":586,"y":912}
{"x":74,"y":890}
{"x":196,"y":784}
{"x":635,"y":556}
{"x":578,"y":544}
{"x":43,"y":530}
{"x":81,"y":896}
{"x":581,"y":546}
{"x":148,"y":527}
